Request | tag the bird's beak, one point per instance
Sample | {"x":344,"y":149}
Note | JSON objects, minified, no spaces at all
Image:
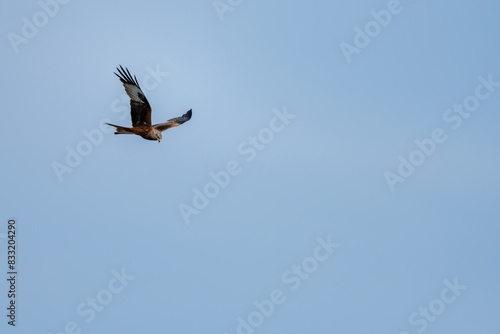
{"x":159,"y":140}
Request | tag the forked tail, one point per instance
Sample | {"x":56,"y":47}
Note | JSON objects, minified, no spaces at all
{"x":121,"y":129}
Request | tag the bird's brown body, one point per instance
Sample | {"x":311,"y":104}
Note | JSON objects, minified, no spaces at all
{"x":140,"y":110}
{"x":144,"y":131}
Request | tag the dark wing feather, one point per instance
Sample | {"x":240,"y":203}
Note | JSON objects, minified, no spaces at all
{"x":174,"y":122}
{"x":140,"y":110}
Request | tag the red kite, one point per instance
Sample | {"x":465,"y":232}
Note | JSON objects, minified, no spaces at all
{"x":140,"y":110}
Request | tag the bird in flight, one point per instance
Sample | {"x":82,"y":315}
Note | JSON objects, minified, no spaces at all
{"x":140,"y":110}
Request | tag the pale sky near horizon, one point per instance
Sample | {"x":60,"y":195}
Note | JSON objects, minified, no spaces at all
{"x":339,"y":173}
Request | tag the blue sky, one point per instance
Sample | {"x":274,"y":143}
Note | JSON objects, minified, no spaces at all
{"x":313,"y":191}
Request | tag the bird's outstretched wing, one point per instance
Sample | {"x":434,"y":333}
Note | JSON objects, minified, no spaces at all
{"x":174,"y":121}
{"x":140,"y":110}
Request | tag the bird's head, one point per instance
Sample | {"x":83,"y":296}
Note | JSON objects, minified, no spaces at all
{"x":158,"y":136}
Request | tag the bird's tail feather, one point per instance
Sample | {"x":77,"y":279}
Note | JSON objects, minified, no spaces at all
{"x":121,"y":129}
